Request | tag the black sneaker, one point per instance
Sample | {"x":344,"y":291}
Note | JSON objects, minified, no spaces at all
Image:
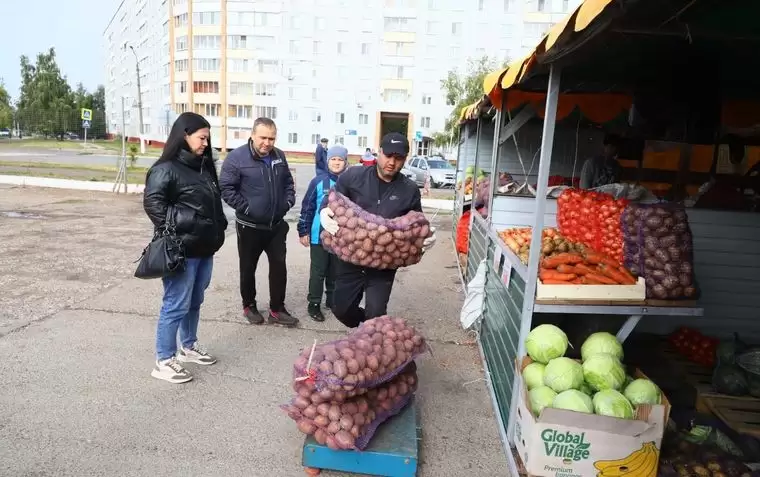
{"x":252,"y":315}
{"x":282,"y":317}
{"x":315,"y":312}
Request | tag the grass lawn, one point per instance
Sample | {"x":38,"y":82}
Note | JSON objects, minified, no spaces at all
{"x":135,"y":175}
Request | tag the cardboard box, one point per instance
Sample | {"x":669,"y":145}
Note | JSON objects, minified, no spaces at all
{"x":604,"y":293}
{"x":562,"y":443}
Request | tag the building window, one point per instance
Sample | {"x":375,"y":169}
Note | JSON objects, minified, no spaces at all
{"x":205,"y":87}
{"x":316,"y":47}
{"x":207,"y":42}
{"x":292,"y":115}
{"x":315,"y":138}
{"x":314,"y":94}
{"x":266,"y":112}
{"x":340,"y":118}
{"x":364,"y":119}
{"x":206,"y":64}
{"x":456,"y":28}
{"x":338,"y":140}
{"x":180,"y":108}
{"x":181,"y":43}
{"x":294,"y":50}
{"x":339,"y":48}
{"x":242,"y":89}
{"x":268,"y":66}
{"x":480,"y":5}
{"x":237,"y":42}
{"x":319,"y":23}
{"x":427,"y":99}
{"x":181,"y":86}
{"x":291,"y":92}
{"x":208,"y":109}
{"x":399,"y":24}
{"x":180,"y":20}
{"x":365,"y":49}
{"x":425,"y":122}
{"x":565,"y":5}
{"x":265,"y":89}
{"x":316,"y":117}
{"x":180,"y":65}
{"x":395,"y":95}
{"x":362,"y":142}
{"x":239,"y":133}
{"x":240,"y":111}
{"x":399,"y":48}
{"x":237,"y":65}
{"x":206,"y":18}
{"x":292,"y":138}
{"x":541,"y":5}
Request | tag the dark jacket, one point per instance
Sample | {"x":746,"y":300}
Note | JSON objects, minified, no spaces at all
{"x":320,"y":159}
{"x":189,"y":189}
{"x":309,"y":222}
{"x":362,"y":186}
{"x":261,"y":192}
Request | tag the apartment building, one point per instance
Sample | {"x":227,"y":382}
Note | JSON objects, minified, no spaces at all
{"x":348,"y":70}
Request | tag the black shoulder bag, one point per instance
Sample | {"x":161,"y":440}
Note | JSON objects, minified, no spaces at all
{"x":165,"y":254}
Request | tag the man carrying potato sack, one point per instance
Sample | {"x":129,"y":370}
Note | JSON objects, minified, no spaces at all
{"x":383,"y":191}
{"x":322,"y":272}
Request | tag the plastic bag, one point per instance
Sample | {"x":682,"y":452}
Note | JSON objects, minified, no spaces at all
{"x":658,"y":246}
{"x":370,"y":355}
{"x":352,"y":424}
{"x":372,"y":241}
{"x":463,"y":232}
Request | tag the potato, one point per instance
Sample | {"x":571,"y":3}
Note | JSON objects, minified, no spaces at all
{"x":333,"y":427}
{"x":385,"y":238}
{"x":306,"y":426}
{"x":323,"y":409}
{"x":346,"y":421}
{"x":321,"y":421}
{"x":345,"y":440}
{"x":301,"y":402}
{"x":320,"y":436}
{"x":332,"y":443}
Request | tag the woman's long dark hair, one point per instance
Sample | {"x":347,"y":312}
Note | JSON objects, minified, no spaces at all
{"x":187,"y":123}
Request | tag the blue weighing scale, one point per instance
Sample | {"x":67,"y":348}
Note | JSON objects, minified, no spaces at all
{"x":392,"y":452}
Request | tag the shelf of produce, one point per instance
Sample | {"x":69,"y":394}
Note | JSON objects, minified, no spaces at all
{"x":609,"y":308}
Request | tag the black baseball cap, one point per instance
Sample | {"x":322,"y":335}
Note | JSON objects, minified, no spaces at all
{"x":395,"y":144}
{"x":324,"y":139}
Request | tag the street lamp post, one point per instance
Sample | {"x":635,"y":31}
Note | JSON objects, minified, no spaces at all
{"x":139,"y":100}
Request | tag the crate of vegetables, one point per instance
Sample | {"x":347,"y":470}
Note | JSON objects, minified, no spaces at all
{"x":588,"y":276}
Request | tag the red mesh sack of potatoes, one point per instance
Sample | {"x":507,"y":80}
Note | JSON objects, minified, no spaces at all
{"x":351,"y":424}
{"x":369,"y":240}
{"x":370,"y":355}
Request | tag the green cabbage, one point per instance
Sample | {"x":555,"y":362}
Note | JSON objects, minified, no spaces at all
{"x":586,"y":389}
{"x":612,"y":403}
{"x":533,"y":374}
{"x":604,"y":371}
{"x":642,"y":391}
{"x":601,"y":342}
{"x":573,"y":400}
{"x":539,"y":398}
{"x":546,"y":342}
{"x":562,"y":374}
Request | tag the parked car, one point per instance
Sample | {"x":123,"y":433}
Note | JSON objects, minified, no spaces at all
{"x":442,"y":174}
{"x":5,"y":133}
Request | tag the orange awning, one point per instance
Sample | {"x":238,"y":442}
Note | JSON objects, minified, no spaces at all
{"x":597,"y":107}
{"x":575,"y":22}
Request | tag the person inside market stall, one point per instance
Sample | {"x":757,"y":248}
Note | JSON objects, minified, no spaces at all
{"x":604,"y":169}
{"x":322,"y":271}
{"x":383,"y":191}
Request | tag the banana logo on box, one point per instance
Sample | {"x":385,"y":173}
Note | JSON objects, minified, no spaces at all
{"x":641,"y":463}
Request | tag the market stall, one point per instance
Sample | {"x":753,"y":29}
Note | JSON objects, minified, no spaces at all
{"x":601,"y":69}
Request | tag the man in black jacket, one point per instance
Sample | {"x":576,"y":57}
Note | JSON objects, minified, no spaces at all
{"x":382,"y":191}
{"x":257,"y":183}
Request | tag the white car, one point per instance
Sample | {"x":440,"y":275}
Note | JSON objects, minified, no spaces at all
{"x":442,"y":173}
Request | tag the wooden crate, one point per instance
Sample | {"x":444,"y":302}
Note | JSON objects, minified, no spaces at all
{"x":741,"y":414}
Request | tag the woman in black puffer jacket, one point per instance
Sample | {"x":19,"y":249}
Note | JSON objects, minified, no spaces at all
{"x":183,"y":185}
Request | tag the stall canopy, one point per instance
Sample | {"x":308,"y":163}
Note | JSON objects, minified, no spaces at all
{"x":474,"y":110}
{"x":628,"y":47}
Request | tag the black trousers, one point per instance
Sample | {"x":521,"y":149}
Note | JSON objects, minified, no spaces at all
{"x":251,"y":243}
{"x":351,"y":282}
{"x":321,"y":275}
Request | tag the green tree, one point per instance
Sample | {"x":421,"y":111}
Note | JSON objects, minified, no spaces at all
{"x":462,"y":88}
{"x":46,"y":102}
{"x":6,"y":108}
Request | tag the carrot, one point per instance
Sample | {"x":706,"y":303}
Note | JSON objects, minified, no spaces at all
{"x":565,"y":268}
{"x":597,"y":258}
{"x":578,"y":281}
{"x":601,"y":279}
{"x":631,"y":280}
{"x":613,"y":273}
{"x":547,"y":274}
{"x":549,"y":281}
{"x":583,"y":269}
{"x":562,"y":258}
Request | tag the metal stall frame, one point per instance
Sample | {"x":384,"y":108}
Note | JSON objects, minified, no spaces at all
{"x":528,"y":275}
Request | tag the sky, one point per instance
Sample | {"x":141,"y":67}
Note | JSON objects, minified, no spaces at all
{"x":74,"y":28}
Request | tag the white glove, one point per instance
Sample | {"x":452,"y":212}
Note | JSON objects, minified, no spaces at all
{"x":327,"y":221}
{"x":429,"y":242}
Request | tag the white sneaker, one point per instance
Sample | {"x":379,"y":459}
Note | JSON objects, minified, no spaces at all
{"x":197,"y":354}
{"x":170,"y":370}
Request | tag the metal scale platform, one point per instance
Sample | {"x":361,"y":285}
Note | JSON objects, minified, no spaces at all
{"x":392,"y":452}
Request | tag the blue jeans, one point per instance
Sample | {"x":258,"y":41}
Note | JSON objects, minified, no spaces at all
{"x":183,"y":296}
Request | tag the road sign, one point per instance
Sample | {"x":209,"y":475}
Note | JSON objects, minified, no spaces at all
{"x":86,"y":124}
{"x":86,"y":114}
{"x":418,"y":136}
{"x":350,"y":132}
